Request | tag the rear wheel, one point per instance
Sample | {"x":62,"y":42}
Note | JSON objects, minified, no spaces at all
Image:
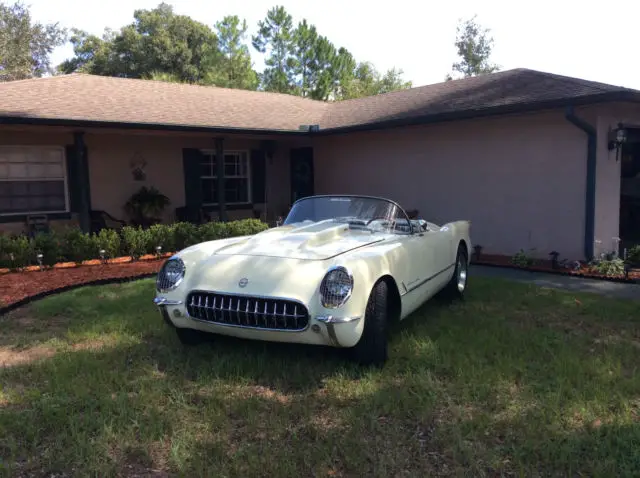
{"x":457,"y":286}
{"x":372,"y":349}
{"x":190,"y":336}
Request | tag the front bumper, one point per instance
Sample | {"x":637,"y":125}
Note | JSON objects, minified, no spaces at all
{"x":323,"y":329}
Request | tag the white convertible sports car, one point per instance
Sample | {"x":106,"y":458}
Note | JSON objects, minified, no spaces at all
{"x":337,"y":272}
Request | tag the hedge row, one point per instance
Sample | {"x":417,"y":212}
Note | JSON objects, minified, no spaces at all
{"x":72,"y":245}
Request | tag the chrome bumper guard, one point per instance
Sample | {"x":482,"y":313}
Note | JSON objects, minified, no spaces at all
{"x":164,"y":301}
{"x":330,"y":321}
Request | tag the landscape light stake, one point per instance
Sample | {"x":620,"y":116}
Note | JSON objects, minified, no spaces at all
{"x":158,"y":251}
{"x":102,"y":256}
{"x":39,"y":258}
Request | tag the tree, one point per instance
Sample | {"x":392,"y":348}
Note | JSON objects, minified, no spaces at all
{"x":367,"y":81}
{"x":474,"y":47}
{"x":158,"y":41}
{"x":275,"y":38}
{"x":25,"y":47}
{"x":234,"y":69}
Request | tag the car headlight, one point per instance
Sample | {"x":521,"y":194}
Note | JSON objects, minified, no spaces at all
{"x":170,"y":275}
{"x":336,"y":287}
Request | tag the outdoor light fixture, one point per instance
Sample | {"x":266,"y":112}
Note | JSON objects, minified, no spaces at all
{"x":102,"y":255}
{"x":39,"y":258}
{"x":617,"y":137}
{"x":158,"y":250}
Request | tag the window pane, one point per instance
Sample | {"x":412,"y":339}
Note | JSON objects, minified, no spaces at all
{"x":31,"y":196}
{"x":209,"y":191}
{"x":205,"y":169}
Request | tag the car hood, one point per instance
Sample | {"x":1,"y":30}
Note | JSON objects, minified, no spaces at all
{"x":310,"y":241}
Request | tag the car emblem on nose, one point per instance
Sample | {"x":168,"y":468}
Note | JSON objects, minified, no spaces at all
{"x":243,"y":282}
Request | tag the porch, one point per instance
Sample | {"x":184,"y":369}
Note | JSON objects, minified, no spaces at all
{"x":53,"y":177}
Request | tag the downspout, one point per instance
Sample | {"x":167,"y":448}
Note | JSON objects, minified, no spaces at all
{"x":590,"y":200}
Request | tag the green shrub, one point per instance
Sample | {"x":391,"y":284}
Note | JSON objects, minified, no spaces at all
{"x":184,"y":234}
{"x":212,"y":231}
{"x":135,"y":241}
{"x":160,"y":235}
{"x":633,"y":255}
{"x":109,"y":241}
{"x":20,"y":252}
{"x":5,"y":249}
{"x":609,"y":267}
{"x":522,"y":258}
{"x":49,"y":245}
{"x":77,"y":246}
{"x":246,"y":227}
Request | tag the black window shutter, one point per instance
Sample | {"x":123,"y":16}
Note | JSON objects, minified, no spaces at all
{"x":73,"y":180}
{"x":191,"y":159}
{"x":258,"y":176}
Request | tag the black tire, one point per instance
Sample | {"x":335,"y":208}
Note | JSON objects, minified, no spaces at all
{"x":457,"y":286}
{"x":372,"y":349}
{"x":190,"y":336}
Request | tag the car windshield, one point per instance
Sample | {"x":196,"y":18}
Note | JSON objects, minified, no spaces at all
{"x":359,"y":212}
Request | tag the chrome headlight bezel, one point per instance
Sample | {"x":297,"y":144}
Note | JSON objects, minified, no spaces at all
{"x":330,"y":300}
{"x":163,"y":284}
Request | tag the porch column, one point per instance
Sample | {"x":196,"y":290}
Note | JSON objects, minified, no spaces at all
{"x":81,"y":181}
{"x":222,"y":214}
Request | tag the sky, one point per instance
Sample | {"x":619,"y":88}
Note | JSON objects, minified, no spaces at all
{"x":568,"y":37}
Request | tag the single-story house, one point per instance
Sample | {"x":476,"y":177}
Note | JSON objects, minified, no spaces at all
{"x":534,"y":160}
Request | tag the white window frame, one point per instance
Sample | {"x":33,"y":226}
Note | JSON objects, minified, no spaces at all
{"x":67,"y":205}
{"x":247,"y":153}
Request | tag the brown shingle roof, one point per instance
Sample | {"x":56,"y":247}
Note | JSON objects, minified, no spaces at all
{"x":90,"y":98}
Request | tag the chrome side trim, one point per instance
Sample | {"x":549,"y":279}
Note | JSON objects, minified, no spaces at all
{"x":330,"y":319}
{"x":164,"y":301}
{"x":427,"y":280}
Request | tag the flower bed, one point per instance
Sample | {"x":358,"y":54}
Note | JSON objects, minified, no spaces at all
{"x":584,"y":270}
{"x":53,"y":262}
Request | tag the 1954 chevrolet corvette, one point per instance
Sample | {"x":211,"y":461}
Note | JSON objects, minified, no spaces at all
{"x":337,"y":272}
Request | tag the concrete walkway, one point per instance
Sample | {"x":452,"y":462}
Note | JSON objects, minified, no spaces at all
{"x":606,"y":288}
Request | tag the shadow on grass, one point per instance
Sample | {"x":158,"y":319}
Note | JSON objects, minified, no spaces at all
{"x":490,"y":386}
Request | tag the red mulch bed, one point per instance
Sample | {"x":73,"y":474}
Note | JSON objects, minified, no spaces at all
{"x":546,"y":266}
{"x":18,"y":286}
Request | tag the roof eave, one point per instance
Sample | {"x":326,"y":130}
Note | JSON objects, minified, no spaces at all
{"x":72,"y":123}
{"x":623,"y":96}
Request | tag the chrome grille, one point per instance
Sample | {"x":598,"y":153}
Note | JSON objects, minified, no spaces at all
{"x":247,"y":311}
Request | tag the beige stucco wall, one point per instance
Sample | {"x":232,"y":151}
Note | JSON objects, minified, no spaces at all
{"x":520,"y":180}
{"x":110,"y":154}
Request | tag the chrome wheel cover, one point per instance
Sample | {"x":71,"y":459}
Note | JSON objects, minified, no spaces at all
{"x":461,"y":280}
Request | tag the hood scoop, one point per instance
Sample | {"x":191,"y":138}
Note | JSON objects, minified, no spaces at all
{"x":314,"y":241}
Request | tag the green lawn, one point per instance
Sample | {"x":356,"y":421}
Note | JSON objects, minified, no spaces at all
{"x":516,"y":380}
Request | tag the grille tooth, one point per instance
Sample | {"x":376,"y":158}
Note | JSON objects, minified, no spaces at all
{"x":247,"y":311}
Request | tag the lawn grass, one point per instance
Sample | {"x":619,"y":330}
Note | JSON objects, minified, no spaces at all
{"x":516,"y":380}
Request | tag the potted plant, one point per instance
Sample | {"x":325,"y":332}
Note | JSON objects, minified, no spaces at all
{"x":145,"y":207}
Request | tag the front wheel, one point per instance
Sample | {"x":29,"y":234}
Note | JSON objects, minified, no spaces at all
{"x":457,"y":286}
{"x":371,"y":349}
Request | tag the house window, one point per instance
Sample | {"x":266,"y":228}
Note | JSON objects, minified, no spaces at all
{"x":237,"y":185}
{"x":32,"y":180}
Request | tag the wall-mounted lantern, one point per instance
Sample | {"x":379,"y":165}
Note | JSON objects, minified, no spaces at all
{"x":617,"y":137}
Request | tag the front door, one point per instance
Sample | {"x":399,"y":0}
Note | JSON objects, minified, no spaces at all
{"x":301,"y":173}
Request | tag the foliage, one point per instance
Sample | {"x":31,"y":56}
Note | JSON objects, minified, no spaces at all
{"x":523,"y":258}
{"x":146,"y":205}
{"x":234,"y":68}
{"x":72,"y":244}
{"x":474,"y":47}
{"x":275,"y":38}
{"x":109,"y":241}
{"x":162,"y":45}
{"x":608,"y":264}
{"x":25,"y":46}
{"x":158,"y":41}
{"x":134,"y":241}
{"x":49,"y":245}
{"x":633,"y":255}
{"x":76,"y":246}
